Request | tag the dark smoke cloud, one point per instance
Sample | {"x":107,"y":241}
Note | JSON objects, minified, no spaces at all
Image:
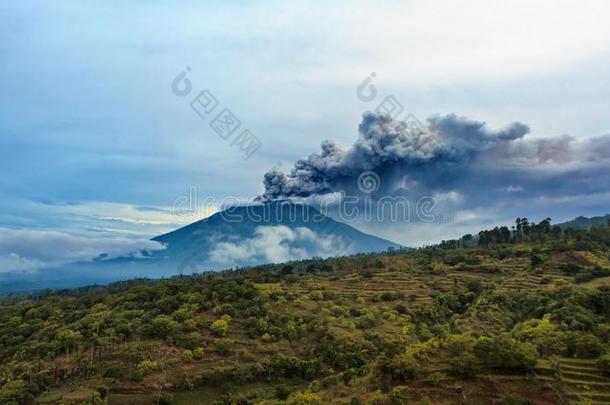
{"x":558,"y":150}
{"x":431,"y":158}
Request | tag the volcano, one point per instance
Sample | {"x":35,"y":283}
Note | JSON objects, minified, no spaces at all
{"x":264,"y":233}
{"x":236,"y":237}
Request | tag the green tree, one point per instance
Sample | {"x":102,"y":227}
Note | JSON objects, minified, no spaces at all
{"x":543,"y":334}
{"x":163,"y":326}
{"x":464,"y":365}
{"x":220,"y":327}
{"x":68,"y":340}
{"x":503,"y":351}
{"x":586,"y":346}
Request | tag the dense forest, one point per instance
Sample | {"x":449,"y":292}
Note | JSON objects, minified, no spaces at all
{"x":517,"y":315}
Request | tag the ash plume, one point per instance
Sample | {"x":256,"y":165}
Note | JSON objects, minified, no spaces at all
{"x":429,"y":157}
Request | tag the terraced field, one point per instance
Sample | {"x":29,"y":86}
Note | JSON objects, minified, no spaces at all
{"x":583,"y":382}
{"x":578,"y":381}
{"x":419,"y":287}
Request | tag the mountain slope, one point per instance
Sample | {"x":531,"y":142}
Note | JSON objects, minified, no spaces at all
{"x":266,"y":233}
{"x":270,"y":233}
{"x":501,"y":323}
{"x":584,"y":222}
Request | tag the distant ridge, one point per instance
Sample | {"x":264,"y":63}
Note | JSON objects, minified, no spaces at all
{"x":584,"y":222}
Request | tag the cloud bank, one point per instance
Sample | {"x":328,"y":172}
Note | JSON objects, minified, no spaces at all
{"x":28,"y":250}
{"x":274,"y":244}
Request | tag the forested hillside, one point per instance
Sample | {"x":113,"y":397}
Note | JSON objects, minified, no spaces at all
{"x":584,"y":222}
{"x":512,"y":316}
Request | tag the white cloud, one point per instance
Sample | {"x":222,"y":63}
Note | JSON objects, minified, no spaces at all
{"x":27,"y":250}
{"x":129,"y":214}
{"x":417,"y":42}
{"x":278,"y":244}
{"x":514,"y":188}
{"x":102,"y":217}
{"x":447,"y":197}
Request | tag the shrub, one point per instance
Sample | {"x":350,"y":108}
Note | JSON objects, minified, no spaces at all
{"x":187,"y":356}
{"x":293,"y":367}
{"x":304,"y":398}
{"x":224,"y":309}
{"x":583,"y":277}
{"x":403,"y":366}
{"x":103,"y":391}
{"x":316,"y":295}
{"x":505,"y":352}
{"x":190,"y":340}
{"x":223,"y":346}
{"x":458,"y":344}
{"x":161,"y":326}
{"x":535,"y":260}
{"x":400,"y":394}
{"x":94,"y":399}
{"x":544,"y":335}
{"x":189,"y":325}
{"x":570,"y":268}
{"x":604,"y":363}
{"x":244,"y":355}
{"x":586,"y":346}
{"x":17,"y":392}
{"x":198,"y":353}
{"x":220,"y":327}
{"x":474,"y":285}
{"x":546,"y":279}
{"x":243,"y":373}
{"x":435,"y":379}
{"x":148,"y":366}
{"x":113,"y":372}
{"x":401,"y":308}
{"x":464,"y":365}
{"x":282,"y":392}
{"x":366,"y":322}
{"x":137,"y":375}
{"x":338,"y":310}
{"x":164,"y":398}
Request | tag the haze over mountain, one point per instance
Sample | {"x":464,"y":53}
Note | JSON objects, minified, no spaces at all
{"x":238,"y":236}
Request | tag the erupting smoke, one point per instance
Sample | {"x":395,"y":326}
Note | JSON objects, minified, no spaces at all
{"x":430,"y":156}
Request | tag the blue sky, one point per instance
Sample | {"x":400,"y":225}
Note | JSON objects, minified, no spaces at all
{"x":93,"y":143}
